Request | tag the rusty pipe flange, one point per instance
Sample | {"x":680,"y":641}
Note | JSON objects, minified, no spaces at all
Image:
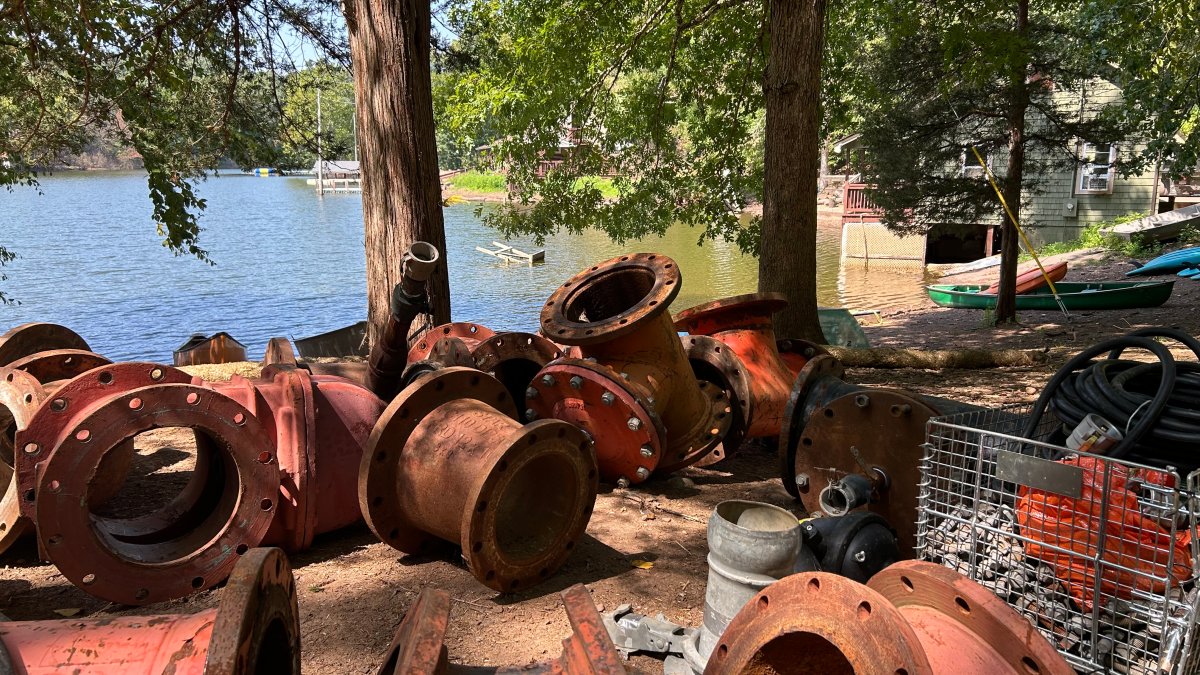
{"x":255,"y":629}
{"x":963,"y":627}
{"x":184,"y":547}
{"x":51,"y":422}
{"x":418,"y":647}
{"x":613,"y":412}
{"x":712,"y":361}
{"x":53,"y":365}
{"x":20,"y":396}
{"x":446,"y":352}
{"x":470,"y":333}
{"x":708,"y":447}
{"x":876,"y":433}
{"x":29,"y":338}
{"x":515,"y":358}
{"x":816,"y":622}
{"x":611,"y":299}
{"x":797,"y":353}
{"x":448,"y":460}
{"x":820,"y":370}
{"x":321,"y":424}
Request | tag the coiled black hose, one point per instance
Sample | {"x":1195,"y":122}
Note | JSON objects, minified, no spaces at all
{"x":1155,"y":405}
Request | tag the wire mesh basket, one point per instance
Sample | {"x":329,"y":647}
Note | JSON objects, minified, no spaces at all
{"x":1097,"y":553}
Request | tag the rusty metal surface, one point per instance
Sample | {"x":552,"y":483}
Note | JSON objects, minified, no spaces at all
{"x":321,"y":424}
{"x":418,"y":647}
{"x":757,"y":374}
{"x":279,"y":352}
{"x":188,"y":545}
{"x":616,"y":313}
{"x":254,"y":630}
{"x":470,"y":333}
{"x":963,"y":627}
{"x":20,"y":396}
{"x":615,"y":413}
{"x":823,"y":369}
{"x":797,"y":353}
{"x":815,"y":622}
{"x":29,"y":338}
{"x":448,"y":461}
{"x":515,"y":358}
{"x":53,"y":365}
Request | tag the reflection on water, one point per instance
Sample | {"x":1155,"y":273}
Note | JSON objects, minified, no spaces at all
{"x":289,"y":263}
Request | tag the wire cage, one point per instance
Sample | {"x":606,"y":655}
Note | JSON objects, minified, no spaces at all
{"x":1098,"y":554}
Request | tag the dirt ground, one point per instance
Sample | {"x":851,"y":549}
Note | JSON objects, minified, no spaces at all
{"x":354,"y":590}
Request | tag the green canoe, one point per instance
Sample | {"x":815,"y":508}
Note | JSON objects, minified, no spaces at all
{"x":1075,"y":295}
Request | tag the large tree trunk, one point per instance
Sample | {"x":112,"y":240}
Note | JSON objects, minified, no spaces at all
{"x":1006,"y":302}
{"x":402,"y":200}
{"x":787,"y":260}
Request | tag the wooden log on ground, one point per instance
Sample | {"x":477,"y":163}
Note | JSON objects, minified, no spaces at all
{"x":894,"y":357}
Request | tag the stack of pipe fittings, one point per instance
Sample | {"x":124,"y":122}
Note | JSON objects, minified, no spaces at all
{"x":912,"y":618}
{"x":731,"y":343}
{"x":627,"y":382}
{"x":845,"y":447}
{"x":418,"y":648}
{"x":275,"y":464}
{"x":255,"y":629}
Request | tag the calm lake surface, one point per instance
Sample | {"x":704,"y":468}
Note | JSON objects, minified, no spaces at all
{"x":290,"y":263}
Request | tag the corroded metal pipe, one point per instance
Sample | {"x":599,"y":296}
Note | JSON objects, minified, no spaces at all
{"x":615,"y":314}
{"x":321,"y":424}
{"x":409,"y":298}
{"x":448,"y":461}
{"x":838,"y":434}
{"x":418,"y":648}
{"x":745,"y":357}
{"x":914,"y":617}
{"x":187,"y":545}
{"x":255,"y":629}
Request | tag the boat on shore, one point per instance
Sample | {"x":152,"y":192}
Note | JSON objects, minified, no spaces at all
{"x":1075,"y":295}
{"x":1033,"y":279}
{"x":1169,"y":263}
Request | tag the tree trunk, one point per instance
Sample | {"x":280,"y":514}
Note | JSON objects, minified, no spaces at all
{"x":787,"y":260}
{"x":401,"y":197}
{"x":1006,"y":301}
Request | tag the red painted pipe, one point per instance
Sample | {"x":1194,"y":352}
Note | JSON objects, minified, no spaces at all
{"x":256,"y":629}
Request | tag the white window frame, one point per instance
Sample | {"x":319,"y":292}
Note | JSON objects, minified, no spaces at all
{"x":970,"y":166}
{"x":1086,"y":170}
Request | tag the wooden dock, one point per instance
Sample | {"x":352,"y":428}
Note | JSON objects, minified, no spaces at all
{"x":511,"y":255}
{"x":339,"y":184}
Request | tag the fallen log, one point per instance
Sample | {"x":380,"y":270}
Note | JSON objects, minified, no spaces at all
{"x":934,"y":359}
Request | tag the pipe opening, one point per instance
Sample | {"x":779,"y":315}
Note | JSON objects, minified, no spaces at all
{"x":8,"y":436}
{"x":530,"y":517}
{"x":797,"y":653}
{"x":757,"y":517}
{"x":179,"y":493}
{"x":274,"y":651}
{"x":609,"y":293}
{"x":516,"y":375}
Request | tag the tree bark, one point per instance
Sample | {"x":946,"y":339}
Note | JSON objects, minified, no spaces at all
{"x":401,"y":197}
{"x":1006,"y":301}
{"x":787,"y":260}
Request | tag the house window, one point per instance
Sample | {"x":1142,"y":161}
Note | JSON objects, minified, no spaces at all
{"x":1096,"y":170}
{"x":970,"y":165}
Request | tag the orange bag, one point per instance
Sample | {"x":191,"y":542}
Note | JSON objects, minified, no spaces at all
{"x":1130,"y":540}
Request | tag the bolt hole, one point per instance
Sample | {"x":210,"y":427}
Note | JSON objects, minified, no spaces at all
{"x":58,"y":404}
{"x":828,"y":412}
{"x":806,"y":441}
{"x":105,"y":377}
{"x":814,"y":585}
{"x":864,"y":610}
{"x":135,"y":403}
{"x":722,"y":651}
{"x":264,"y":457}
{"x":142,"y":594}
{"x":908,"y":584}
{"x":28,"y":399}
{"x":763,"y":603}
{"x":481,"y":507}
{"x":83,"y":435}
{"x":239,"y":419}
{"x":266,"y":504}
{"x":55,"y":486}
{"x":157,"y":374}
{"x":193,"y":398}
{"x":88,"y":579}
{"x":55,"y":540}
{"x":962,"y":604}
{"x":241,"y":549}
{"x":31,"y":448}
{"x":1031,"y":666}
{"x":30,"y":495}
{"x":197,"y":582}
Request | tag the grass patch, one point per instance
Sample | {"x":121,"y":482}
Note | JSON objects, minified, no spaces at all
{"x":605,"y":185}
{"x":1092,"y":237}
{"x":479,"y":181}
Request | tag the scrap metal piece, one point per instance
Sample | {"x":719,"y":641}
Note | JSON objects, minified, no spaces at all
{"x":814,"y":622}
{"x":964,"y":627}
{"x":53,"y":365}
{"x":616,"y":313}
{"x":20,"y":396}
{"x":418,"y":647}
{"x":632,"y":632}
{"x":755,"y":371}
{"x":30,"y":338}
{"x":471,"y":335}
{"x":515,"y":358}
{"x":449,"y":461}
{"x":255,"y":629}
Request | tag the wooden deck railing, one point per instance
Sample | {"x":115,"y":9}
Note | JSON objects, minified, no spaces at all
{"x":855,"y":200}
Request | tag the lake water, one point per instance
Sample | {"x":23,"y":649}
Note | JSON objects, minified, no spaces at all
{"x":291,"y":263}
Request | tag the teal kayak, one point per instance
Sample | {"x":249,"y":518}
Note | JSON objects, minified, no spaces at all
{"x":1169,"y":263}
{"x":1075,"y":295}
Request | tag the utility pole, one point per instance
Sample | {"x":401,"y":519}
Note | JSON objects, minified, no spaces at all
{"x":320,"y":161}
